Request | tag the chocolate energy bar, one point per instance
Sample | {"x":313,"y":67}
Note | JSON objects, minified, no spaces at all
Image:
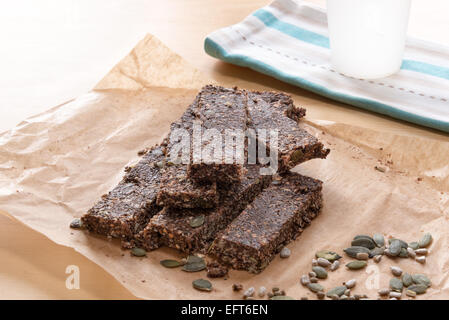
{"x":276,"y":217}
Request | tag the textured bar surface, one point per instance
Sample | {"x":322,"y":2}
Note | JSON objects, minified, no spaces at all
{"x":276,"y":217}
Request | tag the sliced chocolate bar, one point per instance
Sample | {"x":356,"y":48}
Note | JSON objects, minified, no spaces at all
{"x":276,"y":217}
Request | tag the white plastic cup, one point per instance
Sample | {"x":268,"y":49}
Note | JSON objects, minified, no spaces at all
{"x":367,"y":37}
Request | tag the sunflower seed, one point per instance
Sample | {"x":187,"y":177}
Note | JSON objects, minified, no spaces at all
{"x":421,"y":252}
{"x":396,"y":284}
{"x":419,"y":278}
{"x":379,"y":239}
{"x":197,"y":221}
{"x":305,"y":280}
{"x":313,"y":280}
{"x":339,"y":291}
{"x":249,"y":292}
{"x":352,"y":251}
{"x":170,"y":263}
{"x":393,"y":299}
{"x":262,"y":292}
{"x":421,"y":259}
{"x":348,"y":292}
{"x":377,"y":258}
{"x":362,"y":256}
{"x":407,"y":279}
{"x":425,"y":241}
{"x":414,"y":245}
{"x":312,"y":274}
{"x":328,"y":255}
{"x":282,"y":298}
{"x":396,"y":295}
{"x":76,"y":223}
{"x":411,"y":253}
{"x":350,"y":283}
{"x":324,"y":263}
{"x":285,"y":252}
{"x":315,"y":287}
{"x":418,"y":288}
{"x":356,"y":265}
{"x":384,"y":292}
{"x":202,"y":285}
{"x":335,"y":265}
{"x":138,"y":252}
{"x":314,"y":262}
{"x":321,"y":273}
{"x":366,"y":242}
{"x":410,"y":293}
{"x":396,"y":271}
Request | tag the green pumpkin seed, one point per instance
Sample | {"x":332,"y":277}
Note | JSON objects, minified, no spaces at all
{"x":378,"y":251}
{"x":414,"y":245}
{"x":352,"y":251}
{"x":76,"y":223}
{"x":138,"y":252}
{"x":282,"y":298}
{"x":339,"y":291}
{"x":425,"y":241}
{"x":328,"y":255}
{"x":379,"y":239}
{"x":367,"y":242}
{"x":418,"y":288}
{"x":202,"y":285}
{"x":403,"y":243}
{"x":321,"y":273}
{"x":407,"y":279}
{"x":396,"y":285}
{"x":403,"y":253}
{"x":395,"y":248}
{"x":194,"y":264}
{"x":356,"y":265}
{"x":197,"y":221}
{"x":315,"y":287}
{"x":421,"y":279}
{"x":170,"y":263}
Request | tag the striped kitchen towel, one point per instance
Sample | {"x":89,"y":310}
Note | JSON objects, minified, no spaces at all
{"x":289,"y":41}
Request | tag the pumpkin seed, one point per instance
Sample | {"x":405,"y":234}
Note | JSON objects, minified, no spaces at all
{"x":282,"y":298}
{"x":321,"y":273}
{"x":362,"y":256}
{"x":285,"y":252}
{"x":339,"y":291}
{"x":335,"y":265}
{"x":407,"y":279}
{"x":421,"y":252}
{"x":379,"y":239}
{"x":328,"y":255}
{"x":315,"y":287}
{"x":194,"y":264}
{"x":76,"y":223}
{"x":138,"y":252}
{"x":396,"y":271}
{"x":410,"y":293}
{"x":350,"y":283}
{"x":170,"y":263}
{"x":366,"y":242}
{"x":421,"y":259}
{"x":352,"y":251}
{"x":395,"y":248}
{"x":419,"y":278}
{"x":403,"y":253}
{"x":314,"y":280}
{"x":414,"y":245}
{"x":425,"y":241}
{"x":418,"y":288}
{"x":403,"y":243}
{"x":396,"y":284}
{"x":356,"y":265}
{"x":324,"y":262}
{"x":202,"y":285}
{"x":376,"y":251}
{"x":197,"y":221}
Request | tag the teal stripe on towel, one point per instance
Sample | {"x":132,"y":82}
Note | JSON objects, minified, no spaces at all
{"x":317,"y":39}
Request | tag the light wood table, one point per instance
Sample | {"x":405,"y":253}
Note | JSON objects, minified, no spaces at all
{"x":53,"y":51}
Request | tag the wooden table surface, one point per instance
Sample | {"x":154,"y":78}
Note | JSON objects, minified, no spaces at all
{"x":53,"y":51}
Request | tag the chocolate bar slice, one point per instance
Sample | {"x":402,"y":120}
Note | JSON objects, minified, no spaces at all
{"x":126,"y":210}
{"x":191,"y":230}
{"x":295,"y":145}
{"x":223,"y":111}
{"x":276,"y":217}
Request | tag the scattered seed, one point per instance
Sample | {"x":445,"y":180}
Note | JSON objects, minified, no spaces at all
{"x":275,"y":289}
{"x":76,"y":223}
{"x":350,"y":283}
{"x":384,"y":292}
{"x":414,"y":245}
{"x":425,"y":241}
{"x":407,"y":279}
{"x":194,"y":264}
{"x":262,"y":292}
{"x":411,"y":252}
{"x":197,"y":221}
{"x":396,"y":271}
{"x":170,"y":263}
{"x":395,"y":247}
{"x":352,"y":251}
{"x":379,"y":239}
{"x":315,"y":262}
{"x":339,"y":291}
{"x":419,"y":278}
{"x":348,"y":292}
{"x":285,"y":252}
{"x":305,"y":280}
{"x":363,"y":241}
{"x":394,"y":294}
{"x":320,"y":295}
{"x":410,"y":293}
{"x":362,"y":256}
{"x":328,"y":255}
{"x":335,"y":265}
{"x":314,"y":280}
{"x":237,"y":287}
{"x":315,"y":287}
{"x":270,"y":295}
{"x":403,"y":253}
{"x":396,"y":284}
{"x":138,"y":252}
{"x":421,"y":259}
{"x":249,"y":292}
{"x":324,"y":262}
{"x":202,"y":285}
{"x":312,"y":274}
{"x":377,"y":251}
{"x":377,"y":258}
{"x":418,"y":288}
{"x":320,"y":272}
{"x":380,"y":169}
{"x":356,"y":265}
{"x":421,"y":252}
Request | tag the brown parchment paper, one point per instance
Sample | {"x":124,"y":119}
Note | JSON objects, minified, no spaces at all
{"x":55,"y":165}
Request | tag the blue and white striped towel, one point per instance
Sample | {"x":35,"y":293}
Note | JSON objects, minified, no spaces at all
{"x":288,"y":40}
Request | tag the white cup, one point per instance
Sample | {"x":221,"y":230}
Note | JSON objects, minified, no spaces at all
{"x":367,"y":37}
